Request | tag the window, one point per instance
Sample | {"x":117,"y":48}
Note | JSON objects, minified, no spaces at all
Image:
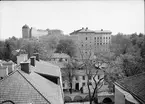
{"x":83,"y":77}
{"x":97,"y":43}
{"x":83,"y":84}
{"x":63,"y":85}
{"x":76,"y":77}
{"x":100,"y":37}
{"x":82,"y":45}
{"x":106,"y":37}
{"x":90,"y":77}
{"x":90,"y":83}
{"x":95,"y":38}
{"x":86,"y":38}
{"x":100,"y":43}
{"x":98,"y":76}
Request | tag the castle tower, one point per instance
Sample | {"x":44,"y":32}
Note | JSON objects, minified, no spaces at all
{"x":25,"y":31}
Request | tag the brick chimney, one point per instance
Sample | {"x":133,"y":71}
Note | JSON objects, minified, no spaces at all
{"x":3,"y":71}
{"x":32,"y":60}
{"x":37,"y":56}
{"x":25,"y":66}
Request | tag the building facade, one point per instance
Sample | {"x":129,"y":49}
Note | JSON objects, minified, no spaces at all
{"x":28,"y":32}
{"x":80,"y":79}
{"x":90,"y":41}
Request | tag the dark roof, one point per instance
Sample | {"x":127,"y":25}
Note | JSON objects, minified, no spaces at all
{"x":25,"y":26}
{"x":86,"y":30}
{"x":17,"y":89}
{"x":23,"y":88}
{"x":135,"y":85}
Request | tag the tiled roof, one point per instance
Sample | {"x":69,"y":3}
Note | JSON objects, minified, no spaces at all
{"x":90,"y":31}
{"x":48,"y":89}
{"x":16,"y":88}
{"x":135,"y":85}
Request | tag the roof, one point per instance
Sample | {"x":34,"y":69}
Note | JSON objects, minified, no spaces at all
{"x":135,"y":85}
{"x":90,"y":31}
{"x":47,"y":68}
{"x":17,"y":89}
{"x":25,"y":26}
{"x":23,"y":88}
{"x":60,"y":55}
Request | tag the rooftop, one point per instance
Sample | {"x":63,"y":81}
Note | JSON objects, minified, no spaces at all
{"x":25,"y":26}
{"x":24,"y":88}
{"x":47,"y":68}
{"x":135,"y":85}
{"x":60,"y":55}
{"x":86,"y":30}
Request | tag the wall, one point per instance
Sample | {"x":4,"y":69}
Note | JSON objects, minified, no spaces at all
{"x":25,"y":32}
{"x":95,"y":42}
{"x":119,"y":97}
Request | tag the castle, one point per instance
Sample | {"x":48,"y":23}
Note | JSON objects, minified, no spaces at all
{"x":28,"y":32}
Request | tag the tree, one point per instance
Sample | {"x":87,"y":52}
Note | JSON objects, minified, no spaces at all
{"x":66,"y":46}
{"x":92,"y":69}
{"x":131,"y":65}
{"x":120,"y":44}
{"x":69,"y":73}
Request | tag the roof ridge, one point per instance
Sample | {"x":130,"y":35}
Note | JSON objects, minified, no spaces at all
{"x":33,"y":86}
{"x":131,"y":76}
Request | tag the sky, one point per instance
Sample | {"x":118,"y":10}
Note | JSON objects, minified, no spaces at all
{"x":125,"y":16}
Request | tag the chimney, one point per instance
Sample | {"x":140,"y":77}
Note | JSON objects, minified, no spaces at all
{"x":10,"y":66}
{"x":3,"y":71}
{"x":21,"y":58}
{"x":82,"y":28}
{"x":37,"y":56}
{"x":101,"y":29}
{"x":86,"y":28}
{"x":25,"y":66}
{"x":32,"y":60}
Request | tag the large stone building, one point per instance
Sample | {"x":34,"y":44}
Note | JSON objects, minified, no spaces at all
{"x":28,"y":32}
{"x":90,"y":41}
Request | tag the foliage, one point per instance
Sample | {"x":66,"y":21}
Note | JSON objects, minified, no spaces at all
{"x":66,"y":46}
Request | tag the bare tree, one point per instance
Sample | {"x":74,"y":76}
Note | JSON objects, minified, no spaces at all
{"x":91,"y":69}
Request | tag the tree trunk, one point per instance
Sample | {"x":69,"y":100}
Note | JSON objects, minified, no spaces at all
{"x":90,"y":98}
{"x":70,"y":90}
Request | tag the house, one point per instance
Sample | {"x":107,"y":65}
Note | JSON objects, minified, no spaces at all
{"x":27,"y":85}
{"x":80,"y":79}
{"x":60,"y":57}
{"x":130,"y":90}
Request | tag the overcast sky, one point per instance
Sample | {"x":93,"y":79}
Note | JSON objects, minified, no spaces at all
{"x":117,"y":16}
